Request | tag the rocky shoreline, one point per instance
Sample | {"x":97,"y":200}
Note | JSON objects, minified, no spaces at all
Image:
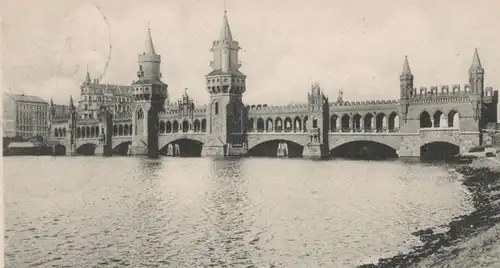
{"x":471,"y":240}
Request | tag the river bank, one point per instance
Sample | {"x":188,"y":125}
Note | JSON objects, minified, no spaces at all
{"x":471,"y":240}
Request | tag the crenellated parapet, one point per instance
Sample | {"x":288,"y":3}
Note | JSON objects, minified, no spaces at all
{"x":363,"y":103}
{"x":264,"y":109}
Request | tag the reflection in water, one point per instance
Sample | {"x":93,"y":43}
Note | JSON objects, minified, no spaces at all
{"x":227,"y":213}
{"x":203,"y":212}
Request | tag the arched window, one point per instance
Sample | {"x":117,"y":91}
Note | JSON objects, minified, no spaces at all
{"x":140,"y":113}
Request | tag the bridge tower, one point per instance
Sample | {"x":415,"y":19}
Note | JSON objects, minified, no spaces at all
{"x":406,"y":86}
{"x":317,"y":124}
{"x":226,"y":84}
{"x":71,"y":139}
{"x":149,"y":95}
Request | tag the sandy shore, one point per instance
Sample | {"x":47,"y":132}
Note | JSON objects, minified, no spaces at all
{"x":471,"y":240}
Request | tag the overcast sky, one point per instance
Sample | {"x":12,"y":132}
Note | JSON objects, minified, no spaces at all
{"x":357,"y":46}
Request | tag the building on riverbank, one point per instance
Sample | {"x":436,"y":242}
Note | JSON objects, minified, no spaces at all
{"x":25,"y":116}
{"x":94,"y":95}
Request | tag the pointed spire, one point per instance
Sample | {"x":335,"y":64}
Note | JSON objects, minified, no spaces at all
{"x":225,"y":31}
{"x":71,"y":105}
{"x":87,"y":78}
{"x":406,"y":66}
{"x":476,"y":62}
{"x":51,"y":102}
{"x":150,"y":48}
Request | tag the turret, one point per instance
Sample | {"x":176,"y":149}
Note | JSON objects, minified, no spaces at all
{"x":406,"y":80}
{"x":225,"y":76}
{"x":149,"y":87}
{"x":406,"y":88}
{"x":149,"y":61}
{"x":476,"y":75}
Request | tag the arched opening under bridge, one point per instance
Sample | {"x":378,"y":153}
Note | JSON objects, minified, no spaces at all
{"x":274,"y":148}
{"x":59,"y":150}
{"x":182,"y":148}
{"x":438,"y":151}
{"x":364,"y":150}
{"x":122,"y":148}
{"x":86,"y":149}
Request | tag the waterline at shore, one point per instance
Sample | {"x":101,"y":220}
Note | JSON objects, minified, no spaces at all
{"x":467,"y":241}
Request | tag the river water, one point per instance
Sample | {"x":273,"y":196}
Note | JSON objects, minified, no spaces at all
{"x":206,"y":212}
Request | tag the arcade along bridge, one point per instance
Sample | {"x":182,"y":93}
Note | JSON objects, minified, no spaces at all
{"x":426,"y":120}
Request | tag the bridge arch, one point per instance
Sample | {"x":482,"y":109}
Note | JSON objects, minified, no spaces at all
{"x":120,"y":130}
{"x":356,"y":120}
{"x":288,"y":125}
{"x":60,"y":149}
{"x":425,"y":119}
{"x":197,"y":125}
{"x":453,"y":119}
{"x":368,"y":122}
{"x":393,"y":122}
{"x":86,"y":149}
{"x":381,"y":122}
{"x":203,"y":125}
{"x":345,"y":124}
{"x":364,"y":149}
{"x":269,"y":125}
{"x":438,"y":150}
{"x":187,"y":147}
{"x":122,"y":148}
{"x":278,"y":124}
{"x":334,"y":123}
{"x":162,"y":127}
{"x":297,"y":124}
{"x":260,"y":125}
{"x":185,"y":125}
{"x":438,"y":119}
{"x":269,"y":148}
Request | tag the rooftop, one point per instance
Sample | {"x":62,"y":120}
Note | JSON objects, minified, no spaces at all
{"x":26,"y":98}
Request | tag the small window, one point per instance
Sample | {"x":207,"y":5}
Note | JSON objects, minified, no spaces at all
{"x":216,"y":108}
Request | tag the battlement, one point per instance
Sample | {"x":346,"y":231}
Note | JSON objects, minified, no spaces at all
{"x":174,"y":109}
{"x":143,"y":57}
{"x":363,"y":103}
{"x":444,"y":91}
{"x":276,"y":108}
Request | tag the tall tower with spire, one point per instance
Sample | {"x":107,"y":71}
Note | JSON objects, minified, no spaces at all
{"x":406,"y":86}
{"x":226,"y":85}
{"x":149,"y":95}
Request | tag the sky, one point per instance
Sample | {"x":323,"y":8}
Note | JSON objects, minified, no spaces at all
{"x":356,"y":46}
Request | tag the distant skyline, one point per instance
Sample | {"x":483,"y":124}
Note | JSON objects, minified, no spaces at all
{"x":355,"y":46}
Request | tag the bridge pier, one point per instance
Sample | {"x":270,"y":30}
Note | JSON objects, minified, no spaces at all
{"x":103,"y":150}
{"x":315,"y":151}
{"x":282,"y":149}
{"x":214,"y":150}
{"x":173,"y":149}
{"x":71,"y":150}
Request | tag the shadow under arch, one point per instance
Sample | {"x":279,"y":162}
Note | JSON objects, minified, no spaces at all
{"x":270,"y":148}
{"x":364,"y":150}
{"x":182,"y":147}
{"x":438,"y":151}
{"x":59,"y":149}
{"x":122,"y":148}
{"x":86,"y":149}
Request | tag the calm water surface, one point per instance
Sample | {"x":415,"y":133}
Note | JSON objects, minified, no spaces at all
{"x":203,"y":212}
